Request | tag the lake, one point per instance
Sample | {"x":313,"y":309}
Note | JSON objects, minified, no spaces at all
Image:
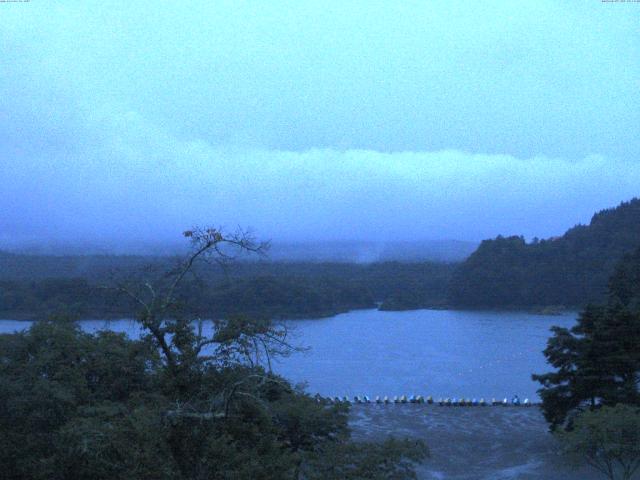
{"x":443,"y":353}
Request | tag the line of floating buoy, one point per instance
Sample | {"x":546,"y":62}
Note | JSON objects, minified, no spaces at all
{"x":443,"y":402}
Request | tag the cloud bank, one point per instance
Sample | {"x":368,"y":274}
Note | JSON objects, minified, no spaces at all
{"x":134,"y":182}
{"x":127,"y":122}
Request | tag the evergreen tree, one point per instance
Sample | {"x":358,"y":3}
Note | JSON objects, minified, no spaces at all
{"x":597,"y":361}
{"x":571,"y":270}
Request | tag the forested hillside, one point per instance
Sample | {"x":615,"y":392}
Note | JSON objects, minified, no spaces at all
{"x":506,"y":272}
{"x":176,"y":404}
{"x":15,"y":266}
{"x":32,"y":286}
{"x":596,"y":363}
{"x":571,"y":270}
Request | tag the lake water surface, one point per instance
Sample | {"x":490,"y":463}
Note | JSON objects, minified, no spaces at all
{"x":427,"y":352}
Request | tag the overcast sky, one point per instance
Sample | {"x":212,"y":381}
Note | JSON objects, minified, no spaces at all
{"x":315,"y":119}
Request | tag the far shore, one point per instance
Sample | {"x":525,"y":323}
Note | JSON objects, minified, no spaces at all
{"x":18,"y":315}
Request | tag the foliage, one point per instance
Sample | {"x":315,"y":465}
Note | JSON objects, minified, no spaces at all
{"x":392,"y":459}
{"x":597,"y":361}
{"x":177,"y":404}
{"x":608,"y":438}
{"x":624,"y":286}
{"x":274,"y":290}
{"x":572,"y":270}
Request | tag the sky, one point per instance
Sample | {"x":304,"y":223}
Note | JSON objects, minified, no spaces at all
{"x":315,"y":120}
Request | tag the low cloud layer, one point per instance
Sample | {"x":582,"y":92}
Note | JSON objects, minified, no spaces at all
{"x":132,"y":182}
{"x":126,"y":122}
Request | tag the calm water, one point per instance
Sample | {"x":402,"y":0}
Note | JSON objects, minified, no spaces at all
{"x":427,"y":352}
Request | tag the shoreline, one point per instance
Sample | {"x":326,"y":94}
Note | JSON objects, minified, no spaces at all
{"x":18,"y":315}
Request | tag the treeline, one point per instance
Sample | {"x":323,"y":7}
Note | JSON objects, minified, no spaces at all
{"x":507,"y":272}
{"x":570,"y":271}
{"x":276,"y":290}
{"x":591,"y":397}
{"x":75,"y":405}
{"x":597,"y":362}
{"x":40,"y":267}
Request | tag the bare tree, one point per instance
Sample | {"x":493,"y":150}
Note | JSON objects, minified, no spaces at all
{"x":179,"y":337}
{"x":236,"y":344}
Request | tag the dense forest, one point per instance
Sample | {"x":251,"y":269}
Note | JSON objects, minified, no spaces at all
{"x":175,"y":404}
{"x":571,"y":270}
{"x":568,"y":271}
{"x":31,"y":286}
{"x":597,"y":361}
{"x":590,"y":397}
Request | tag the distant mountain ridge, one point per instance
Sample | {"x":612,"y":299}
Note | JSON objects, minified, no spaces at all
{"x":571,"y":270}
